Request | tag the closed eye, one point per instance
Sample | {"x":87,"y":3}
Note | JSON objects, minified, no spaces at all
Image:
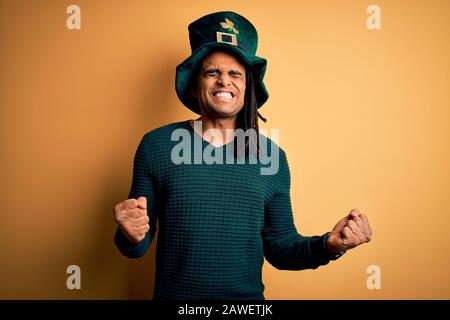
{"x":235,"y":74}
{"x":215,"y":72}
{"x":211,"y":72}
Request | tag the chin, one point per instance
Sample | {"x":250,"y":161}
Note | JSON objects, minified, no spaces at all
{"x":225,"y":111}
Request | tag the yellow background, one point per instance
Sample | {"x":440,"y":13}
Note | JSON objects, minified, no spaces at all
{"x":363,"y":116}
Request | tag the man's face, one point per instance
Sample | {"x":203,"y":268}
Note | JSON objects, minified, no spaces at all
{"x":220,"y":89}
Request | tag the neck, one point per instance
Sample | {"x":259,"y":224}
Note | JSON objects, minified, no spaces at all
{"x":218,"y":123}
{"x":221,"y":125}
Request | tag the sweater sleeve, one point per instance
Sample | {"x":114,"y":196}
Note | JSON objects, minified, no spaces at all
{"x":284,"y":247}
{"x":142,"y":185}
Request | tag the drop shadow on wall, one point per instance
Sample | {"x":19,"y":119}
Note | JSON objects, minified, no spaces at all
{"x":157,"y":107}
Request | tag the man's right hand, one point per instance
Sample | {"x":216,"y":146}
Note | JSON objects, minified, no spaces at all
{"x":131,"y":216}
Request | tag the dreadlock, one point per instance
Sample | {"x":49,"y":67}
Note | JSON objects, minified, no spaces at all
{"x":247,"y":118}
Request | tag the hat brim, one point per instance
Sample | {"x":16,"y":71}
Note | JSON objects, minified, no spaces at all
{"x":188,"y":67}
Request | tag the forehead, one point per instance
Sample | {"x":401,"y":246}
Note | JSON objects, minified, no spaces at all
{"x":221,"y":59}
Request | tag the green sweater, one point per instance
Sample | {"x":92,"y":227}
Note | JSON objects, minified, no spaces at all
{"x":216,"y":222}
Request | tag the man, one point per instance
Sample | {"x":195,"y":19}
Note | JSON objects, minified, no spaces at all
{"x":217,"y":221}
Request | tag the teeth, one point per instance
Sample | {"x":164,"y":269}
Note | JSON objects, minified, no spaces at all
{"x":223,"y":95}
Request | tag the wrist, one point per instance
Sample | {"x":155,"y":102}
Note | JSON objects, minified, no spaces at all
{"x":333,"y":252}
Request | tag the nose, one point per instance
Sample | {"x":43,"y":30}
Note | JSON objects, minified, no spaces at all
{"x":224,"y":79}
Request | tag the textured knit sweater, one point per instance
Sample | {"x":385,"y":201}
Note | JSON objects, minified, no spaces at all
{"x":216,"y":222}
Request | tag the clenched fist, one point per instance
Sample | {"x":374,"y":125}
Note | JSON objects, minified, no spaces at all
{"x":350,"y":232}
{"x":131,"y":216}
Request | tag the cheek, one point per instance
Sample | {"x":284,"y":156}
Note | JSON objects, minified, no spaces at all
{"x":201,"y":92}
{"x":203,"y":88}
{"x":241,"y":88}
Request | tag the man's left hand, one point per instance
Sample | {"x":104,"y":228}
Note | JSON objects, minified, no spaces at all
{"x":350,"y":232}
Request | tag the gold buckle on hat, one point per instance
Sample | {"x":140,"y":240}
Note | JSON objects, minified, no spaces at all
{"x":232,"y":36}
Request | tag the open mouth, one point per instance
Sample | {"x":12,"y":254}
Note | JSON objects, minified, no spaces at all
{"x":223,"y":95}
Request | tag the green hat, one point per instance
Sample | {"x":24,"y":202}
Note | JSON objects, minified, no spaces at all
{"x":231,"y":32}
